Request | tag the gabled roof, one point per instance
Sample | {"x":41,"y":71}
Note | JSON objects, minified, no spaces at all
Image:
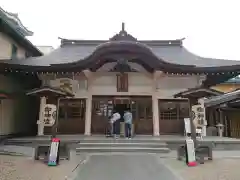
{"x":15,"y":22}
{"x":169,"y":56}
{"x":48,"y":90}
{"x":171,"y":52}
{"x":222,"y":99}
{"x":198,"y":92}
{"x":235,"y":80}
{"x":11,"y":25}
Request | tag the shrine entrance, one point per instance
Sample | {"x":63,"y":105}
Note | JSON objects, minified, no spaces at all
{"x":71,"y":118}
{"x":140,"y":106}
{"x":171,"y":115}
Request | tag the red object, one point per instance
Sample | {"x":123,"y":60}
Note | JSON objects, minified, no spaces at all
{"x":3,"y":96}
{"x":191,"y":164}
{"x":55,"y":140}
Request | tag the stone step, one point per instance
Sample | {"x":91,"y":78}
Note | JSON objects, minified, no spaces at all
{"x":18,"y":150}
{"x":34,"y":142}
{"x":122,"y":144}
{"x":121,"y":149}
{"x":120,"y":140}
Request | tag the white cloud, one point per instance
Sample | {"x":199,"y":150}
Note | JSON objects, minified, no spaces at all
{"x":210,"y":26}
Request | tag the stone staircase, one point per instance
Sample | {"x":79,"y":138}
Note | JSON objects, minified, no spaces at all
{"x":94,"y":145}
{"x":121,"y":145}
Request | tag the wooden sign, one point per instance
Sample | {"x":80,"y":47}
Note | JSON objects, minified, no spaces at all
{"x":53,"y":158}
{"x":122,"y":82}
{"x":66,"y":84}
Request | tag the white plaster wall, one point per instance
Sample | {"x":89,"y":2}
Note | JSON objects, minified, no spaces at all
{"x":105,"y":84}
{"x":7,"y":106}
{"x":167,"y":86}
{"x":12,"y":110}
{"x":7,"y":117}
{"x":6,"y":47}
{"x":139,"y":84}
{"x":78,"y":91}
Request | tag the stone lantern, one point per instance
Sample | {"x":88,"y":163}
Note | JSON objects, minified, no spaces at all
{"x":220,"y":129}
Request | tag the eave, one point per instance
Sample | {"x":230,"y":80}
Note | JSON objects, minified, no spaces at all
{"x":220,"y":100}
{"x":198,"y":92}
{"x":49,"y":91}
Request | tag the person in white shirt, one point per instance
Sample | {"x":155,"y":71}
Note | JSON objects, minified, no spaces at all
{"x":116,"y":123}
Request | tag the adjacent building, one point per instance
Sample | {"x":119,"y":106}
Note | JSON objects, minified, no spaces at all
{"x":118,"y":73}
{"x":14,"y":46}
{"x":45,"y":49}
{"x":228,"y":86}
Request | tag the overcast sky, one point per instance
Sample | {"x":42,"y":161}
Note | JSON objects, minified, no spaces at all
{"x":211,"y":27}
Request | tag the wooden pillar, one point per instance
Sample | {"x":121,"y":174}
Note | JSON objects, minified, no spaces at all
{"x":55,"y":126}
{"x":155,"y":116}
{"x":156,"y":76}
{"x":40,"y":123}
{"x":192,"y":102}
{"x":88,"y":115}
{"x":211,"y":117}
{"x":221,"y":117}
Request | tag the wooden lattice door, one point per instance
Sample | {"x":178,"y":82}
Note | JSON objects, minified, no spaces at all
{"x":141,"y":109}
{"x":71,"y":118}
{"x":234,"y":124}
{"x":102,"y":108}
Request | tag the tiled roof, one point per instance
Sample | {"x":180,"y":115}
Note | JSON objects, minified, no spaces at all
{"x":171,"y":53}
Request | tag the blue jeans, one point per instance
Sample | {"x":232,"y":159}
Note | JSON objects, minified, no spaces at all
{"x":128,"y":130}
{"x":116,"y":127}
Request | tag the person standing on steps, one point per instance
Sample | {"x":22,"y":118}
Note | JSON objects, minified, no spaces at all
{"x":128,"y":123}
{"x":116,"y":124}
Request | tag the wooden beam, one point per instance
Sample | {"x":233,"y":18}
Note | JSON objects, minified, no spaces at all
{"x":88,"y":73}
{"x":157,"y":75}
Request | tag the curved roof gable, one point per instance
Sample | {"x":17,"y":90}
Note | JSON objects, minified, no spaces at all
{"x":171,"y":52}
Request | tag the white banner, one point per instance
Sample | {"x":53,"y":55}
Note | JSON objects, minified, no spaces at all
{"x":190,"y":152}
{"x":187,"y":125}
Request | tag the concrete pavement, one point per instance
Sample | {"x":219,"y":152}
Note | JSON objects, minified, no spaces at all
{"x":124,"y":167}
{"x":218,"y":169}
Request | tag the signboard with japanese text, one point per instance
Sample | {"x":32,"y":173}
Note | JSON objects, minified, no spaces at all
{"x":50,"y":111}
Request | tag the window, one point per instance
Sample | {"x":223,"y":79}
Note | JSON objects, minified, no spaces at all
{"x":14,"y":51}
{"x":173,"y":109}
{"x":28,"y":54}
{"x":72,"y":109}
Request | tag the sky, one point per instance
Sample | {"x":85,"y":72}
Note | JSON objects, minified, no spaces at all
{"x":211,"y":27}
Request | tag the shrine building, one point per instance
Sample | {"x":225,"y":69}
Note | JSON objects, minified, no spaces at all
{"x":94,"y":77}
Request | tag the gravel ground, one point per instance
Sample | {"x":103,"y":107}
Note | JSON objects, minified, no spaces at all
{"x":218,"y":169}
{"x":21,"y":168}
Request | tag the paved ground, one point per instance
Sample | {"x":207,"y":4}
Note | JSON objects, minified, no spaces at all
{"x":124,"y":167}
{"x":219,"y":169}
{"x":118,"y":167}
{"x":21,"y":168}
